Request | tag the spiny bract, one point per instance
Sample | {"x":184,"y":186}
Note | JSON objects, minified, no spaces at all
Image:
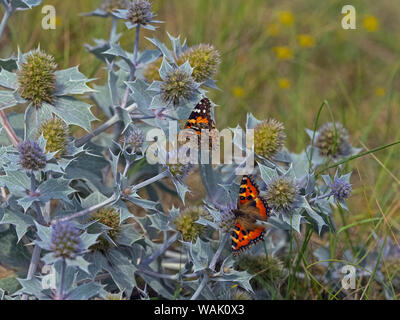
{"x":269,"y":138}
{"x":204,"y":58}
{"x":36,"y":78}
{"x":56,"y":132}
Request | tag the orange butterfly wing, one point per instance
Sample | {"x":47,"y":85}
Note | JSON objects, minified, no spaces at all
{"x":242,"y":239}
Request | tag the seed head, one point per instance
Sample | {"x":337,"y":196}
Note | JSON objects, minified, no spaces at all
{"x":341,"y":189}
{"x":139,"y":12}
{"x":205,"y":60}
{"x":111,"y":5}
{"x":176,"y":86}
{"x":269,"y":138}
{"x":282,"y":193}
{"x":56,"y":132}
{"x":325,"y":141}
{"x":65,"y":240}
{"x":186,"y":223}
{"x":31,"y":156}
{"x":36,"y":78}
{"x":111,"y":218}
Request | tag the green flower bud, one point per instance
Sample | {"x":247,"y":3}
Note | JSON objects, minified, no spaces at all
{"x":325,"y":141}
{"x":204,"y":58}
{"x":269,"y":138}
{"x":56,"y":132}
{"x":176,"y":86}
{"x":36,"y":78}
{"x":186,"y":223}
{"x":282,"y":194}
{"x":111,"y":218}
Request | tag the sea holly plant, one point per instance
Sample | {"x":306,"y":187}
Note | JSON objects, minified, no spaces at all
{"x":94,"y":209}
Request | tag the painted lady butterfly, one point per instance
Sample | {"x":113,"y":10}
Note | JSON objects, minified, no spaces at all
{"x":200,"y":118}
{"x":251,"y":207}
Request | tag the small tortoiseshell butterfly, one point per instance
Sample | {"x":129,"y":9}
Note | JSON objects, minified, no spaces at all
{"x":251,"y":207}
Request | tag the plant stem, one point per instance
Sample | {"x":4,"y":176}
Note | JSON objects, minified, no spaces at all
{"x":219,"y":251}
{"x":109,"y":123}
{"x":4,"y":21}
{"x":200,"y":287}
{"x":60,"y":289}
{"x":160,"y":251}
{"x":113,"y":28}
{"x":150,"y":181}
{"x":32,"y":266}
{"x":88,"y":210}
{"x":8,"y":129}
{"x":336,"y":164}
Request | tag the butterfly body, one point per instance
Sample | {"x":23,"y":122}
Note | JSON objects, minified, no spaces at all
{"x":251,"y":209}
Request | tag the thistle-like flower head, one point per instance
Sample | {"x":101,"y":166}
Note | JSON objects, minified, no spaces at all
{"x":177,"y":170}
{"x":65,"y":240}
{"x":36,"y":78}
{"x":331,"y":144}
{"x":341,"y":189}
{"x":204,"y":58}
{"x":135,"y":139}
{"x":139,"y":12}
{"x":56,"y":132}
{"x":269,"y":138}
{"x":282,"y":194}
{"x":186,"y":223}
{"x":31,"y":156}
{"x":111,"y":218}
{"x":177,"y":85}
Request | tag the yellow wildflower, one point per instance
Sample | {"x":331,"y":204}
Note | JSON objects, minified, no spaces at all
{"x":286,"y":18}
{"x":284,"y":83}
{"x":283,"y":52}
{"x":371,"y":23}
{"x":305,"y":40}
{"x":272,"y":30}
{"x":380,"y":91}
{"x":238,"y":92}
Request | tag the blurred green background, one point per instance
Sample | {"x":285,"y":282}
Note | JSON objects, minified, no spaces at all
{"x":280,"y":59}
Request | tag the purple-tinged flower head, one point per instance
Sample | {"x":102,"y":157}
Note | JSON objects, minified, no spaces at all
{"x":135,"y":139}
{"x":65,"y":240}
{"x":31,"y":156}
{"x":227,"y":217}
{"x":341,"y":189}
{"x":139,"y":12}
